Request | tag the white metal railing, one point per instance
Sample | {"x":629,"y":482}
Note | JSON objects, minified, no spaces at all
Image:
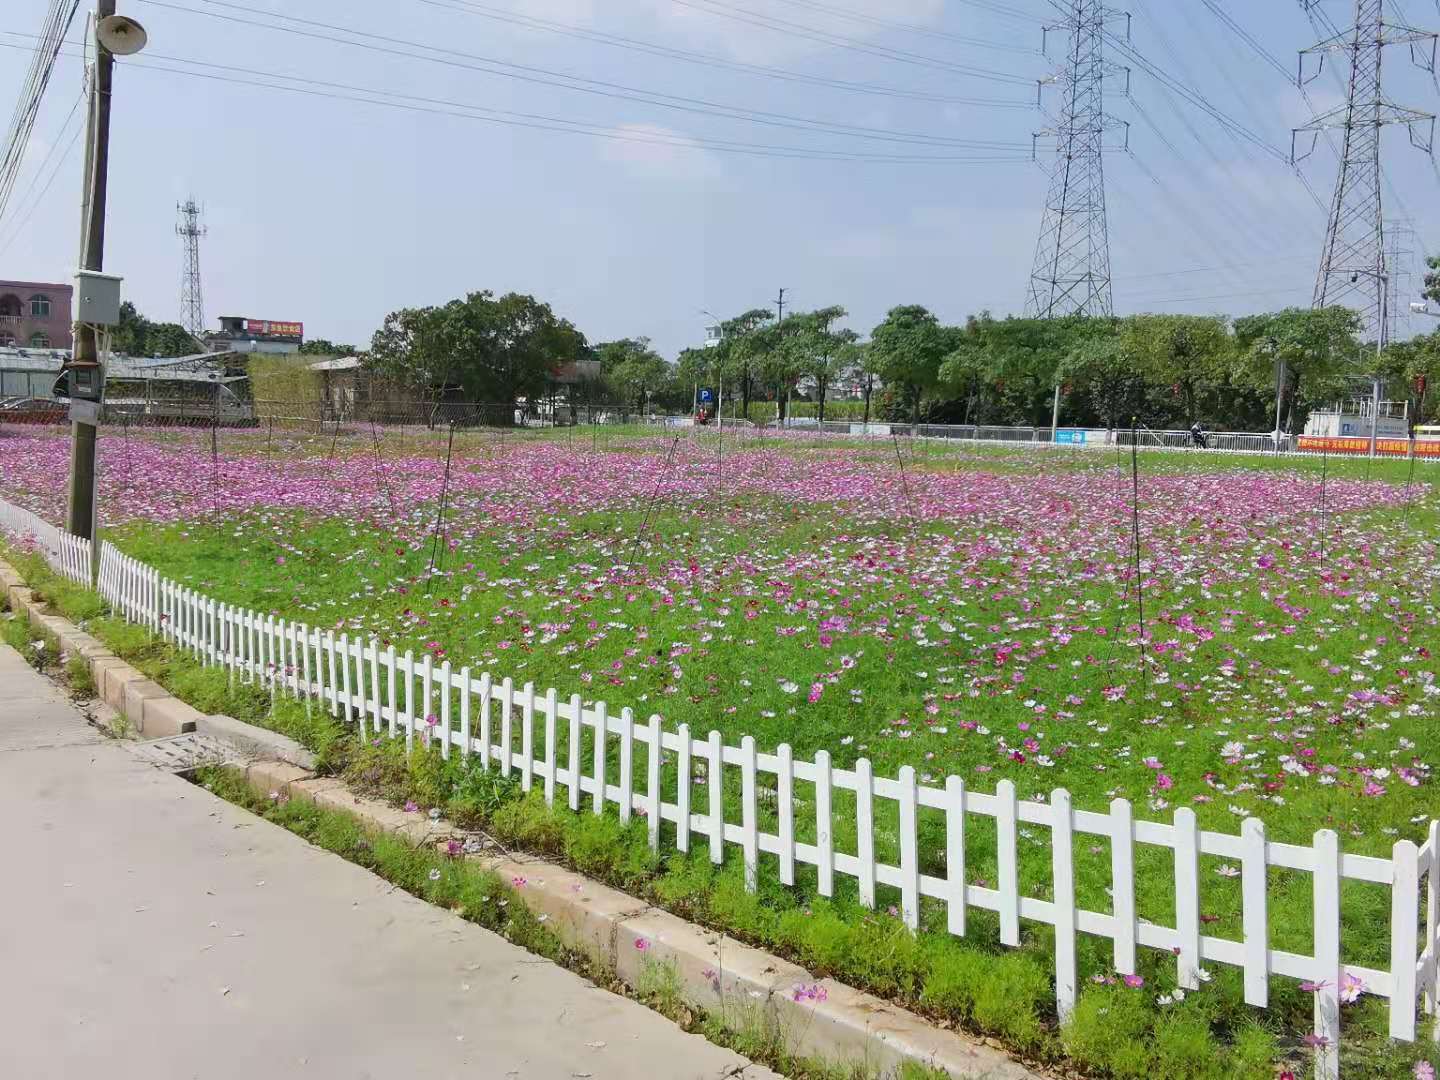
{"x":477,"y":714}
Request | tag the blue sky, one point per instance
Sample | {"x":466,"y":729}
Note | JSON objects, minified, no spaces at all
{"x":335,"y":212}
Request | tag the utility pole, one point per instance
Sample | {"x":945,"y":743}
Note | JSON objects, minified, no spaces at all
{"x":780,"y":307}
{"x":1352,"y":266}
{"x":85,"y":362}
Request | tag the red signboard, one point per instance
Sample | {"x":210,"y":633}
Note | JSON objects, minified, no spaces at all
{"x":274,"y":329}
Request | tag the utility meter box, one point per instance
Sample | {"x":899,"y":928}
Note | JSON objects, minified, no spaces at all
{"x":97,"y":298}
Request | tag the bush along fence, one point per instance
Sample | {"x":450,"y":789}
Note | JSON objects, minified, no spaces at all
{"x":588,"y":756}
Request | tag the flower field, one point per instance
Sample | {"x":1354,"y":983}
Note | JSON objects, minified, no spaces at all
{"x":1266,"y":650}
{"x":962,"y":611}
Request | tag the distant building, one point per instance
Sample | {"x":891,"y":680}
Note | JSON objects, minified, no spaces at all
{"x":35,"y":314}
{"x":242,"y":335}
{"x":713,"y":336}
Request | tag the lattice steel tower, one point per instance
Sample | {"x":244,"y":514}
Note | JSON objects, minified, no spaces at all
{"x":1353,"y":265}
{"x":1071,"y":275}
{"x":192,"y":300}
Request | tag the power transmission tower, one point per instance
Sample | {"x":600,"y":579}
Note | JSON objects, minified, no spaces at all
{"x":1353,"y":267}
{"x":192,"y":300}
{"x":1399,"y":276}
{"x":1071,"y":274}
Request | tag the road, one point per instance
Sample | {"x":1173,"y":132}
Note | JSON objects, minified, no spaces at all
{"x":150,"y":930}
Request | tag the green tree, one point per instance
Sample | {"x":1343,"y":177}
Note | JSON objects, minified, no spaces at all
{"x":1109,"y":376}
{"x":907,"y":350}
{"x":1318,"y":346}
{"x":819,"y":349}
{"x":483,"y":348}
{"x":635,"y":369}
{"x":325,"y":347}
{"x":1415,"y":365}
{"x":137,"y":336}
{"x":1191,"y":354}
{"x":742,"y":348}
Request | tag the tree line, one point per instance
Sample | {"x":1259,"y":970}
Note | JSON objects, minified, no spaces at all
{"x":1158,"y":370}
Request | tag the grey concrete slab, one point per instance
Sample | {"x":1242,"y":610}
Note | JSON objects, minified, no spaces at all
{"x":150,"y":930}
{"x":34,"y":712}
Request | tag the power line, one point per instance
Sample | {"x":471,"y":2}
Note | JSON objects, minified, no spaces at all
{"x":598,"y":87}
{"x":23,"y":219}
{"x":532,"y":22}
{"x":510,"y":118}
{"x":22,"y":122}
{"x":768,"y":22}
{"x":1245,"y":36}
{"x":924,"y":31}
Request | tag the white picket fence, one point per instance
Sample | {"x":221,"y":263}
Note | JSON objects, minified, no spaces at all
{"x":472,"y":713}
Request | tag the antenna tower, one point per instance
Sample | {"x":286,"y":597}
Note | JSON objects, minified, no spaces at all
{"x":192,"y":301}
{"x":1353,"y":265}
{"x":1071,"y":274}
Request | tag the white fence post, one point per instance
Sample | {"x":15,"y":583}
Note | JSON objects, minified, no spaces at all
{"x":785,"y":811}
{"x":1062,"y":870}
{"x":865,"y":831}
{"x":627,"y":763}
{"x":1404,"y":934}
{"x":824,"y":825}
{"x":682,"y":789}
{"x":576,"y":715}
{"x":955,"y":854}
{"x":1007,"y":871}
{"x":1122,"y":884}
{"x":1187,"y":897}
{"x":527,"y":736}
{"x":552,"y":706}
{"x":652,"y":781}
{"x":1326,"y":882}
{"x":715,"y":790}
{"x":602,"y":725}
{"x":750,"y":844}
{"x":1254,"y":912}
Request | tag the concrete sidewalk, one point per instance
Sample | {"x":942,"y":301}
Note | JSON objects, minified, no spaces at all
{"x":149,"y":930}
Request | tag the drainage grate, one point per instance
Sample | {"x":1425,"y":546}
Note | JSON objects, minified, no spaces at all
{"x":183,"y":752}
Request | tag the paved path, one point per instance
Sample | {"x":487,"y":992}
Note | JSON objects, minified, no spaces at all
{"x":150,"y":930}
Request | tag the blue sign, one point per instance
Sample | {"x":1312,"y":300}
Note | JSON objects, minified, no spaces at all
{"x":706,"y":395}
{"x":1070,"y":435}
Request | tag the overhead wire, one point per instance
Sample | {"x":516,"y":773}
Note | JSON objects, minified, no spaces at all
{"x":791,"y":29}
{"x":57,"y":22}
{"x":602,"y":88}
{"x":924,"y":31}
{"x":533,"y":22}
{"x":445,"y":107}
{"x":23,"y":212}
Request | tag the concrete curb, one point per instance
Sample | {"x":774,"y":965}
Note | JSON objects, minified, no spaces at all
{"x":714,"y":973}
{"x":152,"y":710}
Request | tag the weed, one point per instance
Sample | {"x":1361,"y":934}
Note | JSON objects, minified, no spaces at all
{"x":77,"y":674}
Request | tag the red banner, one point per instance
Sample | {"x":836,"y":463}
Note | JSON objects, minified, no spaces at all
{"x":1351,"y":445}
{"x":274,"y":329}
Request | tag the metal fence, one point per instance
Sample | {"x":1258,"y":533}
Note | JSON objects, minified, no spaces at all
{"x":824,"y":817}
